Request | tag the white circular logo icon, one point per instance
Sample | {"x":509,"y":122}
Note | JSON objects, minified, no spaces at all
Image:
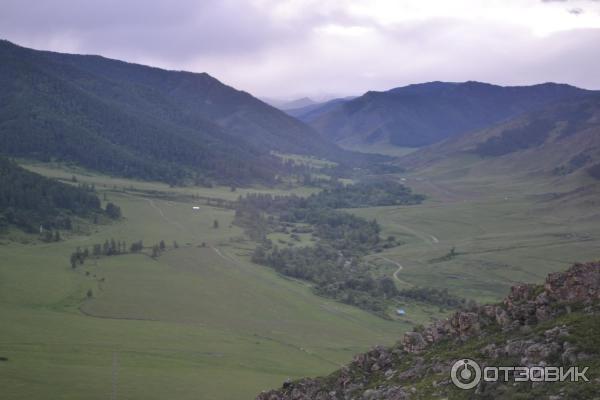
{"x":465,"y":374}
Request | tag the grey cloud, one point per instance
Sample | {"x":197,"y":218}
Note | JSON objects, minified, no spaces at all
{"x":162,"y":29}
{"x":245,"y":45}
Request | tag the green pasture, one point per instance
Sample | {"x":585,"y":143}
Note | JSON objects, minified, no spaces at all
{"x":197,"y":322}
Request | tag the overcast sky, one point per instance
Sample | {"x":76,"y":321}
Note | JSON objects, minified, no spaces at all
{"x":291,"y":48}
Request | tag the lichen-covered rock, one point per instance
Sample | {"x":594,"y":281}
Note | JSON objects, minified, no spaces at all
{"x":580,"y":283}
{"x":413,"y":342}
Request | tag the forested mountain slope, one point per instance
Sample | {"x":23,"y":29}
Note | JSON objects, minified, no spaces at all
{"x":559,"y":140}
{"x":137,"y":121}
{"x":421,"y":114}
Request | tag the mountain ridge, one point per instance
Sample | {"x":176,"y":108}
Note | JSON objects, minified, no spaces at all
{"x":142,"y":121}
{"x":422,"y":114}
{"x":560,"y":139}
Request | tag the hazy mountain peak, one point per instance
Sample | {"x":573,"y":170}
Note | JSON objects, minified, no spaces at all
{"x":421,"y":114}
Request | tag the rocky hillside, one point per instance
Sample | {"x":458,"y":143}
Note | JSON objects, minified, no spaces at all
{"x":555,"y":324}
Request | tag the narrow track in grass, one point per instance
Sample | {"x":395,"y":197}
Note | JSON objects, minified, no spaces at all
{"x":158,"y":209}
{"x":395,"y":274}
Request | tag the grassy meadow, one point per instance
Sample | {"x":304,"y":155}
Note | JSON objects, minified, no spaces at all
{"x":505,"y":227}
{"x":197,"y":322}
{"x":203,"y":322}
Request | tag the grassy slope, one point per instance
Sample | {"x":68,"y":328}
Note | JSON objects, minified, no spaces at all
{"x":505,"y":226}
{"x":107,"y":183}
{"x":377,"y":148}
{"x":191,"y":324}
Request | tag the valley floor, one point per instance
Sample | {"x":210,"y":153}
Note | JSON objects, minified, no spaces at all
{"x":504,"y":229}
{"x":197,"y":322}
{"x":203,"y":322}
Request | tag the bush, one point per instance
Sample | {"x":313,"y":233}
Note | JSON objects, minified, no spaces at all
{"x":113,"y":211}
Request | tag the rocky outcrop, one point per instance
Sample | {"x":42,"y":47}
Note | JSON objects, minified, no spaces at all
{"x":525,"y":305}
{"x":390,"y":373}
{"x":581,"y":283}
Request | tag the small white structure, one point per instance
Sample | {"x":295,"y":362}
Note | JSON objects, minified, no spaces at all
{"x":196,"y":208}
{"x":400,"y":312}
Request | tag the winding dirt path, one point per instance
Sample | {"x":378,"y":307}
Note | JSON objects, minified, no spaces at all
{"x":162,"y":214}
{"x":226,"y":258}
{"x":425,"y":237}
{"x":395,"y":274}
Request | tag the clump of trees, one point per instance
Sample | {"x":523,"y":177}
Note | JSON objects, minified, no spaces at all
{"x":35,"y":203}
{"x":530,"y":135}
{"x":334,"y":264}
{"x":78,"y":257}
{"x":50,"y":236}
{"x":29,"y":200}
{"x":114,"y":247}
{"x":136,"y":247}
{"x":363,"y":194}
{"x":108,"y":248}
{"x":113,"y":211}
{"x":446,"y":257}
{"x":366,"y":194}
{"x":439,"y":297}
{"x":157,"y":249}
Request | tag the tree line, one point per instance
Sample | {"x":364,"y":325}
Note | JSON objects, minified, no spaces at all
{"x":112,"y":247}
{"x":29,"y":200}
{"x":335,"y":263}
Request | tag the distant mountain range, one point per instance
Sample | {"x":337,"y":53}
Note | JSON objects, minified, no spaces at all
{"x":298,"y":103}
{"x":422,"y":114}
{"x":137,"y":121}
{"x":148,"y":123}
{"x":312,"y":111}
{"x":285,"y":105}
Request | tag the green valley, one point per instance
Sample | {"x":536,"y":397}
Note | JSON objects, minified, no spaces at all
{"x":363,"y":233}
{"x":182,"y":324}
{"x":198,"y":316}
